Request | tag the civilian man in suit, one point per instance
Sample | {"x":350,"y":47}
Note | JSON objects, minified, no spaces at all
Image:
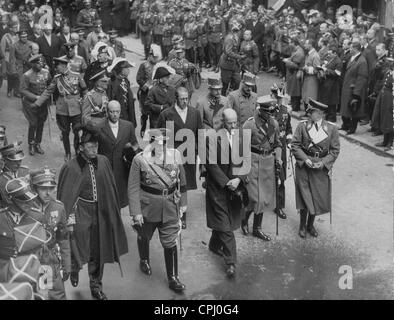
{"x":258,"y":30}
{"x":36,"y":34}
{"x":65,"y":35}
{"x":49,"y":46}
{"x":114,"y":136}
{"x":354,"y":89}
{"x":224,"y":210}
{"x":183,"y":116}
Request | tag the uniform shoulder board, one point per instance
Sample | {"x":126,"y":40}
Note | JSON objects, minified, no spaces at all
{"x":24,"y":167}
{"x":78,"y":56}
{"x":2,"y":210}
{"x":74,"y":73}
{"x":332,"y":123}
{"x":35,"y":209}
{"x":59,"y":202}
{"x":250,"y":119}
{"x":304,"y":121}
{"x":57,"y":76}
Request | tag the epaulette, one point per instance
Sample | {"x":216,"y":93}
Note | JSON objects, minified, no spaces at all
{"x":74,"y":72}
{"x":332,"y":123}
{"x":250,"y":119}
{"x":24,"y":167}
{"x":57,"y":75}
{"x":59,"y":202}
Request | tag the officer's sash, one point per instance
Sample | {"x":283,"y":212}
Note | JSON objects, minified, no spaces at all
{"x":64,"y":86}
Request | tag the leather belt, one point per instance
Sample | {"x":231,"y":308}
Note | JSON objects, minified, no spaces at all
{"x":317,"y":154}
{"x":86,"y":200}
{"x":162,"y":192}
{"x":262,"y":152}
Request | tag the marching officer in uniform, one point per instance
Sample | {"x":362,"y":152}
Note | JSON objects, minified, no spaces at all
{"x":95,"y":102}
{"x":145,"y":26}
{"x":116,"y":44}
{"x":33,"y":84}
{"x":168,"y":32}
{"x":283,"y":117}
{"x":19,"y":56}
{"x":184,"y":68}
{"x":266,"y":155}
{"x":12,"y":157}
{"x":190,"y":30}
{"x":43,"y":183}
{"x":230,"y":59}
{"x":70,"y":87}
{"x":76,"y":63}
{"x":87,"y":16}
{"x":145,"y":81}
{"x":211,"y":106}
{"x":158,"y":198}
{"x":244,"y":100}
{"x":315,"y":146}
{"x":96,"y":66}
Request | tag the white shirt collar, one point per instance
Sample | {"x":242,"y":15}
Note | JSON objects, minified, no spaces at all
{"x":179,"y":110}
{"x":113,"y":125}
{"x":319,"y":123}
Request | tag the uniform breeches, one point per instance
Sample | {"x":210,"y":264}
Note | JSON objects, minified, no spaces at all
{"x":36,"y":118}
{"x":168,"y":232}
{"x":224,"y":240}
{"x":231,"y":80}
{"x":64,"y":123}
{"x":87,"y":237}
{"x":215,"y":51}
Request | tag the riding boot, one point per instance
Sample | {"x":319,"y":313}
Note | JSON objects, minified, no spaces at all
{"x":303,"y":216}
{"x":171,"y":260}
{"x":257,"y":232}
{"x":143,"y":250}
{"x":245,"y":223}
{"x":183,"y":220}
{"x":310,"y":228}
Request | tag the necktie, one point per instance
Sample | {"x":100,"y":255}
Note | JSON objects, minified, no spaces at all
{"x":317,"y":127}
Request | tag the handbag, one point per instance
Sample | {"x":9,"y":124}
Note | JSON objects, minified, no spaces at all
{"x":31,"y":236}
{"x":22,"y":269}
{"x":16,"y":291}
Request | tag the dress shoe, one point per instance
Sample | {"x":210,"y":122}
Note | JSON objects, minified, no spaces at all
{"x":17,"y":95}
{"x":388,"y":148}
{"x":99,"y":295}
{"x":145,"y":267}
{"x":376,"y":133}
{"x":261,"y":235}
{"x":175,"y":285}
{"x":38,"y":149}
{"x":230,"y":271}
{"x":74,"y":278}
{"x":245,"y":223}
{"x":280,"y":213}
{"x":343,"y":128}
{"x":371,"y":130}
{"x":219,"y":252}
{"x":32,"y":150}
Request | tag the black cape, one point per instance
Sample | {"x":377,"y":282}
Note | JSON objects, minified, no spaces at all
{"x":113,"y":241}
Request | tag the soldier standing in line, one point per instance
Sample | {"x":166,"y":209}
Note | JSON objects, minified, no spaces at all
{"x":316,"y":147}
{"x":70,"y":87}
{"x":266,"y":154}
{"x":12,"y":157}
{"x":190,"y":30}
{"x":43,"y":183}
{"x":230,"y":59}
{"x":95,"y":102}
{"x":283,"y":117}
{"x":157,"y":177}
{"x":250,"y":49}
{"x":168,"y":32}
{"x":216,"y":34}
{"x":33,"y":84}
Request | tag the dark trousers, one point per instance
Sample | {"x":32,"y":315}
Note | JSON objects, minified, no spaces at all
{"x":144,"y":121}
{"x":36,"y":118}
{"x":190,"y":55}
{"x":224,"y":240}
{"x":13,"y":83}
{"x":231,"y":80}
{"x":332,"y":113}
{"x":200,"y":56}
{"x":206,"y":54}
{"x":295,"y":103}
{"x":215,"y":51}
{"x":133,"y":26}
{"x":95,"y":269}
{"x":280,"y":196}
{"x":168,"y":232}
{"x":64,"y":123}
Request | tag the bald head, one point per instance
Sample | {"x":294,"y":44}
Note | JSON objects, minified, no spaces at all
{"x":182,"y":97}
{"x":113,"y":111}
{"x":230,"y":119}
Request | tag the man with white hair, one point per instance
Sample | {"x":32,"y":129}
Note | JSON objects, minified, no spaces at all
{"x":49,"y":46}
